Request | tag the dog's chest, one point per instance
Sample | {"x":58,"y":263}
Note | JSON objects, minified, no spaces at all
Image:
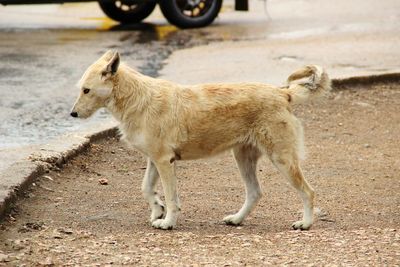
{"x":136,"y":138}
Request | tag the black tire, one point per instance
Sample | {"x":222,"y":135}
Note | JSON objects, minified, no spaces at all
{"x":126,"y":11}
{"x":182,"y":12}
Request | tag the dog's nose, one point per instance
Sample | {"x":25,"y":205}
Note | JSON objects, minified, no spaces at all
{"x":74,"y":114}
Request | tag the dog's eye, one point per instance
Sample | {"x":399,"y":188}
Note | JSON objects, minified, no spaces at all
{"x":86,"y":90}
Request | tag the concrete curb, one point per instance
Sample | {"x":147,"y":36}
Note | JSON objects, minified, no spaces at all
{"x":18,"y":177}
{"x":368,"y":79}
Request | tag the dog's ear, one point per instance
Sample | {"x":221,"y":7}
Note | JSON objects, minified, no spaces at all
{"x":111,"y":67}
{"x":107,"y":55}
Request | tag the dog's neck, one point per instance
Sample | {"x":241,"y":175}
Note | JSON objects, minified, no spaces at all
{"x":131,"y":93}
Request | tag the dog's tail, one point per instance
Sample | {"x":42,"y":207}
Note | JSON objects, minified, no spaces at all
{"x":307,"y":83}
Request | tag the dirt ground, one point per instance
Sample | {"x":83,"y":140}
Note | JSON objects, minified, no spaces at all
{"x":352,"y":139}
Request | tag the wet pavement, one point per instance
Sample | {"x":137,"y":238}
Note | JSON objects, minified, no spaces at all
{"x":45,"y":49}
{"x":40,"y":68}
{"x":41,"y":63}
{"x":38,"y":80}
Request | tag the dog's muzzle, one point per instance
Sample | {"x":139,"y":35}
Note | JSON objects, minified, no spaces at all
{"x":74,"y":114}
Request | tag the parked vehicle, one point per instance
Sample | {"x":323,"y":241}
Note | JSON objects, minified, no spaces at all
{"x":182,"y":13}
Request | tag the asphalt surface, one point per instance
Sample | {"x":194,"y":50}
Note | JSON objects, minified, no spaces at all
{"x":45,"y":49}
{"x":42,"y":62}
{"x":348,"y":38}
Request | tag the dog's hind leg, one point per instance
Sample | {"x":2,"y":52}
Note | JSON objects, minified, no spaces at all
{"x":166,"y":169}
{"x":290,"y":168}
{"x":246,"y":157}
{"x":148,"y":188}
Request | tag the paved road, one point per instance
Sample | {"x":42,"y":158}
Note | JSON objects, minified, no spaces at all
{"x":44,"y":50}
{"x":41,"y":62}
{"x":348,"y":38}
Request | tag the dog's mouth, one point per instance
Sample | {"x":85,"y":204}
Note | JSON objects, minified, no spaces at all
{"x":80,"y":115}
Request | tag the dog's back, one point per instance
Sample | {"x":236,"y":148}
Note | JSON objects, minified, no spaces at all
{"x":214,"y":118}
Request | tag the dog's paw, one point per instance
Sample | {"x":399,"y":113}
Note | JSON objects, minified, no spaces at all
{"x":157,"y":213}
{"x":301,"y":225}
{"x":163,"y":224}
{"x":233,"y":220}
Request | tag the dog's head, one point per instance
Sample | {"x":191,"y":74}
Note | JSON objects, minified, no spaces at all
{"x":96,"y":85}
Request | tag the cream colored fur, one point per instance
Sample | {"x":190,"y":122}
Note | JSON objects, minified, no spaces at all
{"x":170,"y":122}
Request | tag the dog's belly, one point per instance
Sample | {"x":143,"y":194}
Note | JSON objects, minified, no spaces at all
{"x":206,"y":147}
{"x":189,"y":153}
{"x":215,"y":135}
{"x":197,"y":153}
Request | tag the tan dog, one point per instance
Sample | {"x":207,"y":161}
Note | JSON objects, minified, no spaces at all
{"x":170,"y":122}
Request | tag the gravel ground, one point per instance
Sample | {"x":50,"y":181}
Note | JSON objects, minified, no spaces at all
{"x":70,"y":218}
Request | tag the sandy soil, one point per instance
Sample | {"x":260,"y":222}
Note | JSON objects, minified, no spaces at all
{"x":69,"y":218}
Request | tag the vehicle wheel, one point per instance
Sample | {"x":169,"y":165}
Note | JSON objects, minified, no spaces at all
{"x":190,"y":13}
{"x":127,"y":11}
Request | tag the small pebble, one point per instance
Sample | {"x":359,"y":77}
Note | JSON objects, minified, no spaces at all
{"x":103,"y":181}
{"x":48,"y":177}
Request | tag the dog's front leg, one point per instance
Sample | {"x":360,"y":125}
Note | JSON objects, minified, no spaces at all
{"x":148,"y":188}
{"x":166,"y":169}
